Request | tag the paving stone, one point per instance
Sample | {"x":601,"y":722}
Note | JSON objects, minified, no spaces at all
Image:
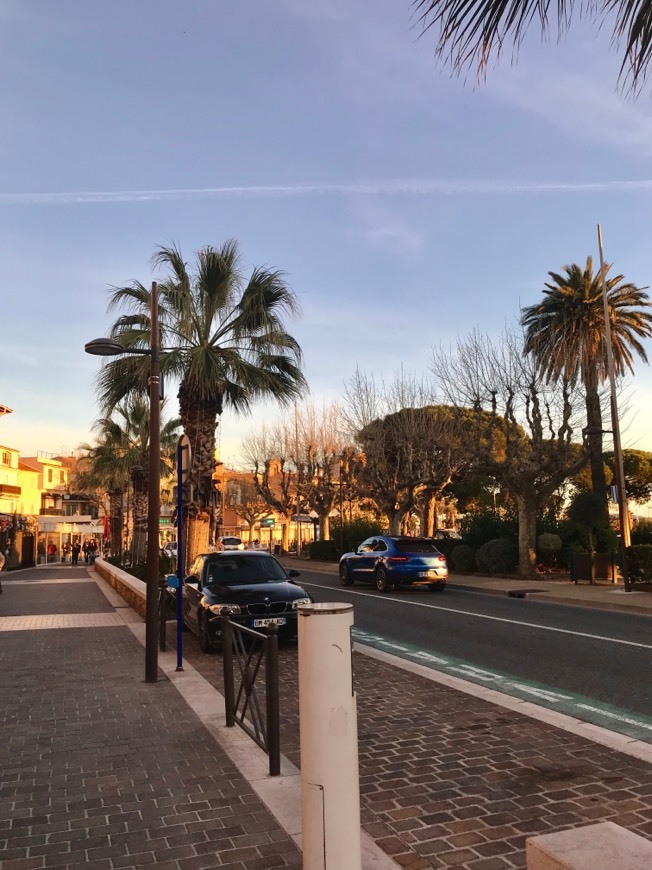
{"x":99,"y":761}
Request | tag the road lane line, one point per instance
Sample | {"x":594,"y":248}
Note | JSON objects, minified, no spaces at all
{"x":489,"y":617}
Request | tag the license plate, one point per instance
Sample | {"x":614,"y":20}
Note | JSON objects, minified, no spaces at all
{"x":271,"y":620}
{"x":428,"y":574}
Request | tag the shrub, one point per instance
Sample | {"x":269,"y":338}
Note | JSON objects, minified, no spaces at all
{"x":642,"y":532}
{"x":354,"y":532}
{"x":325,"y":551}
{"x":482,"y":526}
{"x":549,"y":546}
{"x":499,"y":556}
{"x":447,"y":545}
{"x":639,"y":562}
{"x":463,"y":558}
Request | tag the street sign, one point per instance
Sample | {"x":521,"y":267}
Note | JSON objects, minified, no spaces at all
{"x":267,"y":523}
{"x":186,"y":458}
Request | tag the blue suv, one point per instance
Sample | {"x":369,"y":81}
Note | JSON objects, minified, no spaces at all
{"x":389,"y":561}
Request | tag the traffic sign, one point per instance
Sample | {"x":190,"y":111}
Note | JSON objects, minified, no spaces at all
{"x":186,"y":458}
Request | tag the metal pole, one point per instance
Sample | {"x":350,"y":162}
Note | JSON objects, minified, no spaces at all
{"x":341,"y":515}
{"x":179,"y":556}
{"x":153,"y":498}
{"x":296,"y":450}
{"x":227,"y":663}
{"x":272,"y":702}
{"x":625,"y":539}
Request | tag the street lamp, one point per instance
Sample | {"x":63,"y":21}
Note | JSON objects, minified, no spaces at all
{"x":109,"y":347}
{"x":625,"y":539}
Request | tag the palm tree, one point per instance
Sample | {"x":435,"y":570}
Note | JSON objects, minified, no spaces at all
{"x":566,"y":334}
{"x":120,"y":456}
{"x":470,"y":31}
{"x":223,"y":339}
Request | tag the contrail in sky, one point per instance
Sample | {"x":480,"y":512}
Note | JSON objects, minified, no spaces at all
{"x":425,"y":187}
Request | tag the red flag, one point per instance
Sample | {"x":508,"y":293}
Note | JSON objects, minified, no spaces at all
{"x":106,"y":526}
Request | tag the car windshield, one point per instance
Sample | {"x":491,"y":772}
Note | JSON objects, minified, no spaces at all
{"x":415,"y":545}
{"x":237,"y":569}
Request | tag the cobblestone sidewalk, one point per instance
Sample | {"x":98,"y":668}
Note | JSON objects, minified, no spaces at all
{"x":103,"y":770}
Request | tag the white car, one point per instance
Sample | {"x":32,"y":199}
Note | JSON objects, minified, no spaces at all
{"x":170,"y":549}
{"x":230,"y":542}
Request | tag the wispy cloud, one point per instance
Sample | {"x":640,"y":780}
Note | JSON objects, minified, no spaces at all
{"x":418,"y":187}
{"x":382,"y":227}
{"x":584,"y":106}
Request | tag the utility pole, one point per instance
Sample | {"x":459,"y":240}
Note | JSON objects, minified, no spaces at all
{"x":296,"y":462}
{"x":625,"y":539}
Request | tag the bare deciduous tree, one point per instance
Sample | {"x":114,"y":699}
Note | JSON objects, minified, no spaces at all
{"x":523,"y":427}
{"x":411,"y":447}
{"x":269,"y":455}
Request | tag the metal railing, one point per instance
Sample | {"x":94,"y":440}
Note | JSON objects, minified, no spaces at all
{"x":247,"y":649}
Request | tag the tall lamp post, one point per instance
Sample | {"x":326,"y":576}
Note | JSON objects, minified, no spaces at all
{"x":109,"y":347}
{"x":625,"y":539}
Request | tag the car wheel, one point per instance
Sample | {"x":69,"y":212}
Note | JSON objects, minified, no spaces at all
{"x":382,"y":581}
{"x":437,"y":587}
{"x":345,"y":576}
{"x":205,"y":644}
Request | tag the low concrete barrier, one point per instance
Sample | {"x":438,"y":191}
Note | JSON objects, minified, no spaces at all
{"x":130,"y":588}
{"x":604,"y":846}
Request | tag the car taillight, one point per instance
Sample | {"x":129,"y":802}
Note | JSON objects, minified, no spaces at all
{"x":399,"y":559}
{"x":442,"y":558}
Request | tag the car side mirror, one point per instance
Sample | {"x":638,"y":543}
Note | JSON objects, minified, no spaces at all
{"x":294,"y":573}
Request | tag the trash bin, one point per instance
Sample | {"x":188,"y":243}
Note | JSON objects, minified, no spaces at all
{"x":277,"y":549}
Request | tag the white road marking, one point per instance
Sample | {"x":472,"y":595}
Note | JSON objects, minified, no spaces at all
{"x":491,"y":618}
{"x":618,"y":716}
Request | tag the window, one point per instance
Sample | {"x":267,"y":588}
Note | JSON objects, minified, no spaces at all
{"x":50,"y":475}
{"x":6,"y":457}
{"x":62,"y":477}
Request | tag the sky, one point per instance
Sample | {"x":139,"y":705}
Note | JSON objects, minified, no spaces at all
{"x":406,"y":207}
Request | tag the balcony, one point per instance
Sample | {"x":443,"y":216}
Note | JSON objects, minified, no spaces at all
{"x":51,"y":512}
{"x":8,"y":489}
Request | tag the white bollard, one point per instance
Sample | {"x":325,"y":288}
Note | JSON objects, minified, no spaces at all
{"x":328,"y":728}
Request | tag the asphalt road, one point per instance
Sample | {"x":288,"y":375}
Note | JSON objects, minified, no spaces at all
{"x":602,"y":656}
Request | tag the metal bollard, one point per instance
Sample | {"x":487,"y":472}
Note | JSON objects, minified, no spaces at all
{"x":330,"y":782}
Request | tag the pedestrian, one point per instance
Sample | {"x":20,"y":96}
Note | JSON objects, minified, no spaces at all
{"x":92,"y":549}
{"x":76,"y":547}
{"x":85,"y":551}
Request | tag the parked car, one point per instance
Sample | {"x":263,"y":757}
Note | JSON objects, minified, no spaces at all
{"x":170,"y":549}
{"x":230,"y":542}
{"x":251,"y":586}
{"x":446,"y":535}
{"x":389,"y":561}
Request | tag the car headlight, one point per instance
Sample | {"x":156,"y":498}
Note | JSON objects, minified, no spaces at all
{"x":224,"y":609}
{"x":298,"y":601}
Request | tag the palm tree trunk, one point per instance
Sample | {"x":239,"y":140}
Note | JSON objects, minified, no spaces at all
{"x":200,"y":421}
{"x":594,"y":441}
{"x":116,"y":520}
{"x":140,"y":526}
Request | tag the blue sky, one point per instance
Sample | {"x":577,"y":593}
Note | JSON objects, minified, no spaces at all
{"x":406,"y":207}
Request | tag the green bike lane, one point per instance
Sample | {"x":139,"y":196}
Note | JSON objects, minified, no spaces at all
{"x":592,"y":666}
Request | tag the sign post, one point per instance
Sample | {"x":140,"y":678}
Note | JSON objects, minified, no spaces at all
{"x":184,"y":458}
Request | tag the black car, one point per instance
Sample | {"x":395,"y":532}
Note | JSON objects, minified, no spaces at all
{"x":250,"y":585}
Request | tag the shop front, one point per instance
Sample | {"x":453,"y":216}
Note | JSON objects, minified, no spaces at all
{"x":58,"y":535}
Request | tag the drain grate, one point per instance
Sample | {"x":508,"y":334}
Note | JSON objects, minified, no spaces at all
{"x":522,"y":593}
